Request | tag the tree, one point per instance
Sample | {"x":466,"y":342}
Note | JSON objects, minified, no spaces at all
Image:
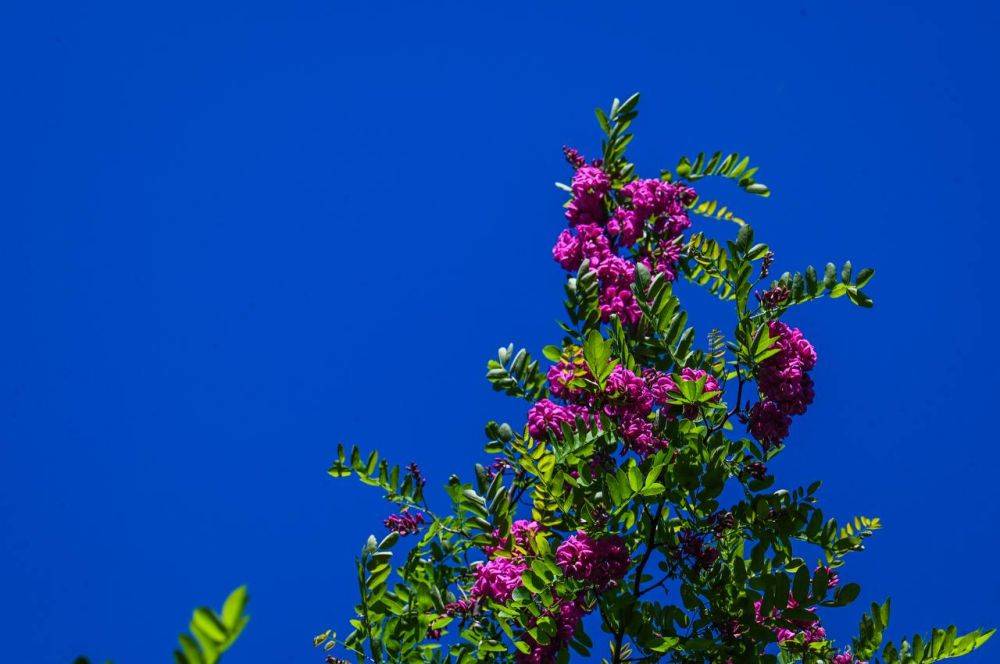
{"x":636,"y":498}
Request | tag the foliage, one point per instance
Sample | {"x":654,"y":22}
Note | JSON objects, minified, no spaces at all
{"x":211,"y":633}
{"x":637,"y":492}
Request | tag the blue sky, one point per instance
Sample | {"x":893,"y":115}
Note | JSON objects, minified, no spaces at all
{"x":235,"y":234}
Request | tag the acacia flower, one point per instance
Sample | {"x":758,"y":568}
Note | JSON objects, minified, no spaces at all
{"x":497,"y":579}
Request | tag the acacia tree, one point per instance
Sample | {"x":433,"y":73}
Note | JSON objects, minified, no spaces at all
{"x":635,"y":499}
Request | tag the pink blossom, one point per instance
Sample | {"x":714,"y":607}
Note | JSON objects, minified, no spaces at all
{"x":619,"y":301}
{"x":769,"y":423}
{"x":625,"y":226}
{"x":665,"y":202}
{"x":585,"y":210}
{"x":575,"y":556}
{"x":784,"y":382}
{"x":560,"y":375}
{"x":710,"y":385}
{"x":832,"y":578}
{"x":602,"y":562}
{"x":573,"y":156}
{"x":615,"y":270}
{"x":459,"y":607}
{"x":567,"y":251}
{"x":523,"y":533}
{"x":497,"y":579}
{"x":637,"y":432}
{"x":694,"y":375}
{"x":660,"y":386}
{"x":590,"y":181}
{"x":404,"y":523}
{"x":567,"y":617}
{"x":662,"y":258}
{"x":590,"y":185}
{"x":628,"y":390}
{"x":810,"y":629}
{"x":782,"y":377}
{"x":545,"y":417}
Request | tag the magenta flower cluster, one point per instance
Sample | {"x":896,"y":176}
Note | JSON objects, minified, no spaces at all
{"x":809,"y":628}
{"x":628,"y":400}
{"x":599,"y":562}
{"x":497,"y":579}
{"x":546,"y":416}
{"x":404,"y":523}
{"x":566,"y":617}
{"x":646,"y":220}
{"x":567,"y":376}
{"x":520,"y":542}
{"x":785,"y":385}
{"x":459,"y":607}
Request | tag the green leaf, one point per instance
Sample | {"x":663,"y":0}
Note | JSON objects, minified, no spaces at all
{"x":553,"y":353}
{"x":232,"y":609}
{"x":205,"y":620}
{"x":800,"y":585}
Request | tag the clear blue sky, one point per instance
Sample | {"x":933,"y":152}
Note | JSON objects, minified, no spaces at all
{"x":234,"y":234}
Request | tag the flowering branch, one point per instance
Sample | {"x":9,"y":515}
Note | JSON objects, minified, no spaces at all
{"x":624,"y":457}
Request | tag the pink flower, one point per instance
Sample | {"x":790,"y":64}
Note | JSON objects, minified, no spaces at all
{"x":497,"y":579}
{"x":602,"y":562}
{"x":590,"y":181}
{"x":619,"y":301}
{"x":662,"y":258}
{"x":710,"y":385}
{"x":832,"y":578}
{"x":567,"y":617}
{"x":571,"y":368}
{"x":560,"y":375}
{"x":575,"y":556}
{"x":628,"y":390}
{"x":545,"y":417}
{"x":615,"y":270}
{"x":459,"y":607}
{"x":404,"y":523}
{"x":665,"y":202}
{"x":637,"y":432}
{"x":523,"y":533}
{"x":626,"y":226}
{"x":810,"y":629}
{"x":573,"y":156}
{"x":769,"y":423}
{"x":590,"y":185}
{"x":567,"y":251}
{"x":784,"y":382}
{"x":660,"y":386}
{"x":585,"y":210}
{"x":694,"y":375}
{"x":782,"y":377}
